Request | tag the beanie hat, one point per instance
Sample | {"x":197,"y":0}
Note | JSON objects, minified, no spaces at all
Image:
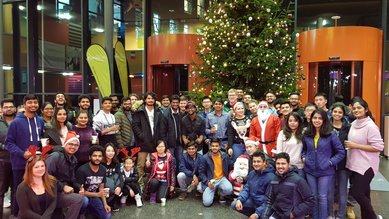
{"x":71,"y":136}
{"x":252,"y":141}
{"x":238,"y":104}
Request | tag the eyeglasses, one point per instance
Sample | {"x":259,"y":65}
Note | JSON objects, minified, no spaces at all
{"x":73,"y":145}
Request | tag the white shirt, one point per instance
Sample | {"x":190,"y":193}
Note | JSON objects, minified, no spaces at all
{"x":104,"y":120}
{"x":150,"y":114}
{"x":292,"y":147}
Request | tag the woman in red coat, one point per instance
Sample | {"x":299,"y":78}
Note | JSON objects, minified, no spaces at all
{"x":162,"y":178}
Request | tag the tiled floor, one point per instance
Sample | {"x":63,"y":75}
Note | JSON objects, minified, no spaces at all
{"x":193,"y":208}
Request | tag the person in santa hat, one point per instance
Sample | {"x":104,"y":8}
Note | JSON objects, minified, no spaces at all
{"x":265,"y":127}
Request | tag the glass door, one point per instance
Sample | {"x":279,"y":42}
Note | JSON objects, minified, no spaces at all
{"x":340,"y":79}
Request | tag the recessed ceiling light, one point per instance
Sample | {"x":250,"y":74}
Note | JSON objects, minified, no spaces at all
{"x":65,"y":16}
{"x":98,"y":30}
{"x":67,"y":73}
{"x":171,"y":10}
{"x":7,"y":67}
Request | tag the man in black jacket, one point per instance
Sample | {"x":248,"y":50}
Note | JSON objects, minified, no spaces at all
{"x":8,"y":109}
{"x":171,"y":128}
{"x":147,"y":124}
{"x":62,"y":165}
{"x":288,"y":195}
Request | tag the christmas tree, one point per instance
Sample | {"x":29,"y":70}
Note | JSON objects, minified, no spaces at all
{"x":248,"y":44}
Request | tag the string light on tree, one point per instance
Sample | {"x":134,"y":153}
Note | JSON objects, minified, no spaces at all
{"x":248,"y":50}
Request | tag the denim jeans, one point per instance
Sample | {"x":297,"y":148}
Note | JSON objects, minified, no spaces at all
{"x":184,"y":181}
{"x":96,"y":207}
{"x":319,"y":187}
{"x":238,"y":149}
{"x":17,"y":178}
{"x":339,"y":186}
{"x":73,"y":202}
{"x":248,"y":207}
{"x":177,"y":153}
{"x":5,"y":182}
{"x":225,"y":189}
{"x":160,"y":188}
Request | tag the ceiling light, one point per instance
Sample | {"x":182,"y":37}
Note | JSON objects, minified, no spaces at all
{"x":67,"y":73}
{"x":171,"y":10}
{"x":21,"y":7}
{"x":336,"y":17}
{"x":40,"y":71}
{"x":38,"y":7}
{"x":64,"y":16}
{"x":98,"y":30}
{"x":7,"y":67}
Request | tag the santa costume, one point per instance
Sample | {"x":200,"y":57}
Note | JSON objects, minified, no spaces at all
{"x":265,"y":127}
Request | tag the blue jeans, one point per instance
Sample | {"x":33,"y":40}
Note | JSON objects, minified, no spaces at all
{"x":248,"y":207}
{"x":238,"y":149}
{"x":225,"y":189}
{"x":301,"y":173}
{"x":177,"y":153}
{"x":341,"y":179}
{"x":96,"y":207}
{"x":319,"y":187}
{"x":184,"y":181}
{"x":17,"y":178}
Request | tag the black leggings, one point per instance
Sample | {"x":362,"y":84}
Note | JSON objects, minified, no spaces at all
{"x":159,"y":187}
{"x":360,"y":190}
{"x":132,"y":185}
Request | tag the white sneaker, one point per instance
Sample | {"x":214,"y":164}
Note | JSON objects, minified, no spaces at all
{"x":379,"y":217}
{"x":123,"y":199}
{"x":6,"y":203}
{"x":138,"y":200}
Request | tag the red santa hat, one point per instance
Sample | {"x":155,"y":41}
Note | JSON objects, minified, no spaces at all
{"x":71,"y":136}
{"x":252,"y":141}
{"x":242,"y":157}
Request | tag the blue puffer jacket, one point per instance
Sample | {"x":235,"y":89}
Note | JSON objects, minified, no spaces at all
{"x":321,"y":161}
{"x":189,"y":166}
{"x":255,"y":188}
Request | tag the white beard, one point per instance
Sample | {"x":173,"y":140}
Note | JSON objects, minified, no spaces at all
{"x":263,"y":115}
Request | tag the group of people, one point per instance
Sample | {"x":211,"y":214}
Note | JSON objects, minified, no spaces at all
{"x":275,"y":159}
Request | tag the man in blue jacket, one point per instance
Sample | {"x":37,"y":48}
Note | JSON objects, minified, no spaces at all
{"x":251,"y":199}
{"x":213,"y":171}
{"x":25,"y":130}
{"x":288,"y":195}
{"x":189,"y":170}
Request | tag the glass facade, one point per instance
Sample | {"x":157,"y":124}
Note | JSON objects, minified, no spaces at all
{"x":45,"y":41}
{"x":178,"y":16}
{"x":313,"y":14}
